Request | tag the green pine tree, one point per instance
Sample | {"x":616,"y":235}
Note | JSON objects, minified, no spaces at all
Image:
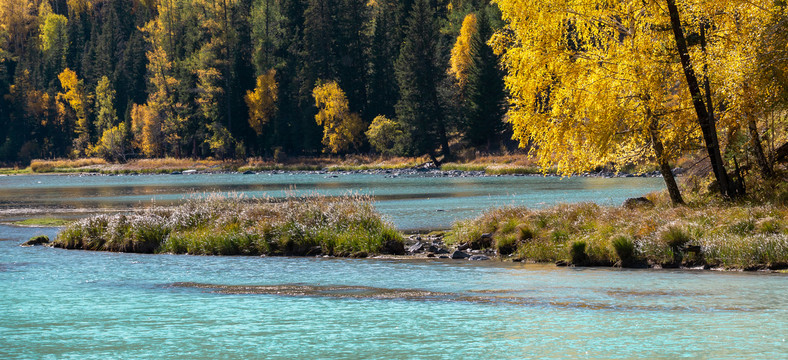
{"x":419,"y":72}
{"x":485,"y":93}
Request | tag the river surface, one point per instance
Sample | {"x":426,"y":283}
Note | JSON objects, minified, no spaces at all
{"x":66,"y":304}
{"x":411,"y":202}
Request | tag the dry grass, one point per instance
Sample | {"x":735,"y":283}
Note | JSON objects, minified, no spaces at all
{"x":58,"y":165}
{"x":496,"y":164}
{"x":217,"y":225}
{"x":491,"y":164}
{"x":738,"y":236}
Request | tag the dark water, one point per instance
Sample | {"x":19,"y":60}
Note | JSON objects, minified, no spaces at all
{"x":411,"y":202}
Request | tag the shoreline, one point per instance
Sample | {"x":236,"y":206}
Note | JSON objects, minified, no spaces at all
{"x":427,"y":172}
{"x":479,"y":165}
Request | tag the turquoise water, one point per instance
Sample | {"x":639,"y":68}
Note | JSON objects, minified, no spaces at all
{"x":411,"y":202}
{"x":91,"y":305}
{"x":86,"y":305}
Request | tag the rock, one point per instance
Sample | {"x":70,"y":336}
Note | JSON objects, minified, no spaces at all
{"x":457,"y":254}
{"x":394,"y":247}
{"x":248,"y":172}
{"x":637,"y":202}
{"x":37,"y":240}
{"x":175,"y":173}
{"x":315,"y":250}
{"x":561,"y":263}
{"x":359,"y":255}
{"x":430,"y":255}
{"x":415,"y":247}
{"x":478,"y":257}
{"x":443,"y":257}
{"x":185,"y":172}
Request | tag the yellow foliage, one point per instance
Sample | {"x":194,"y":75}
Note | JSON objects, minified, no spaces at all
{"x":76,"y":98}
{"x":340,"y":126}
{"x":383,"y":134}
{"x":112,"y":144}
{"x":146,"y":127}
{"x":594,"y":82}
{"x":262,"y":101}
{"x":461,"y":53}
{"x":79,"y":6}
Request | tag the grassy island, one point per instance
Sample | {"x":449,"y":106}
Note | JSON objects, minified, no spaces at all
{"x":217,"y":225}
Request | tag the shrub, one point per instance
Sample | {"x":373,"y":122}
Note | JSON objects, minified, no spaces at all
{"x":675,"y":236}
{"x":624,"y":248}
{"x":506,"y":244}
{"x":578,"y":253}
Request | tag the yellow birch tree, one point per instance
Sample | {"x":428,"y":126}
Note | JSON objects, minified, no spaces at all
{"x":262,"y":101}
{"x":341,"y":127}
{"x":595,"y":83}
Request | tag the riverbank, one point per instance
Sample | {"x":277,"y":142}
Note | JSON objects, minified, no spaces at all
{"x":646,"y":233}
{"x":519,"y":164}
{"x":725,"y":236}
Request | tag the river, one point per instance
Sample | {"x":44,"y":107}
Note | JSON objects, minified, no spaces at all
{"x":69,"y":304}
{"x":411,"y":202}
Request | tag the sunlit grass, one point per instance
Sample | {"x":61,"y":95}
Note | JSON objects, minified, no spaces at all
{"x":43,"y":222}
{"x":217,"y":225}
{"x":739,"y":236}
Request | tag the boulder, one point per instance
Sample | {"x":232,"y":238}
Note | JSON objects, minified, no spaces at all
{"x":478,"y":257}
{"x":415,"y":247}
{"x":37,"y":240}
{"x":248,"y":172}
{"x":482,"y":242}
{"x":457,"y":254}
{"x":637,"y":202}
{"x":394,"y":247}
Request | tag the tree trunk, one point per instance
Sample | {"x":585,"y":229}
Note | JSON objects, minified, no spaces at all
{"x":664,"y":166}
{"x":447,"y":156}
{"x":705,"y":119}
{"x":760,"y":156}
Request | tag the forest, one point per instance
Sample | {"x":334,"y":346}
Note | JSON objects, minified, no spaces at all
{"x":581,"y":84}
{"x":234,"y":78}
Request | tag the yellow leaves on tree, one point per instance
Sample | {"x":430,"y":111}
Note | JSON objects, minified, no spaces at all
{"x":340,"y":126}
{"x":592,"y":81}
{"x":75,"y":97}
{"x":146,"y":128}
{"x":461,"y":52}
{"x":112,"y":144}
{"x":16,"y":21}
{"x":384,"y":134}
{"x":262,"y":101}
{"x":54,"y":36}
{"x":78,"y":7}
{"x":595,"y":82}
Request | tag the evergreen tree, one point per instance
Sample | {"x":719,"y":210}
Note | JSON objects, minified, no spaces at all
{"x":383,"y":89}
{"x":352,"y":43}
{"x":485,"y":93}
{"x":418,"y":73}
{"x":106,"y":115}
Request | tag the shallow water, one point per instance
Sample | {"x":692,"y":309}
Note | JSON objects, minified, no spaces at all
{"x":91,"y":305}
{"x":411,"y":202}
